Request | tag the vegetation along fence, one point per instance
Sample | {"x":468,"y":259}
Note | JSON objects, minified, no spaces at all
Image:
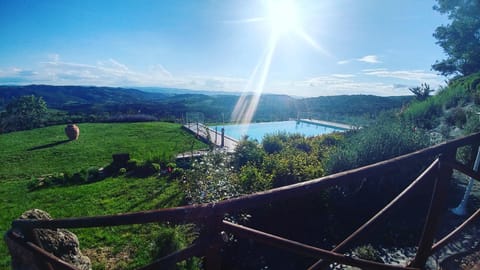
{"x":216,"y":228}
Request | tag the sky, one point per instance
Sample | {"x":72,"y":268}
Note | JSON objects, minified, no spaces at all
{"x":298,"y":48}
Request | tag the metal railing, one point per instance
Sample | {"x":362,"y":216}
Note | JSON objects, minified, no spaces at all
{"x":211,"y":216}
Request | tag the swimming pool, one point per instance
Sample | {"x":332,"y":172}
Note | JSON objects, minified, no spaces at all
{"x":258,"y":130}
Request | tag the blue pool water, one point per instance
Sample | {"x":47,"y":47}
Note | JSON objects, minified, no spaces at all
{"x":258,"y":130}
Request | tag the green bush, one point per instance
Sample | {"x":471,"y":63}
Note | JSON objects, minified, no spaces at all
{"x":390,"y":137}
{"x":147,"y":168}
{"x":368,"y":252}
{"x":253,"y":179}
{"x":174,"y":238}
{"x":272,"y":144}
{"x":247,"y":151}
{"x":211,"y":179}
{"x":456,"y":117}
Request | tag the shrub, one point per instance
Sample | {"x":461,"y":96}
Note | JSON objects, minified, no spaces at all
{"x":147,"y":168}
{"x":253,"y":179}
{"x":211,"y":179}
{"x":132,"y":164}
{"x":173,"y":238}
{"x":247,"y":151}
{"x":456,"y":117}
{"x":388,"y":138}
{"x":272,"y":144}
{"x":368,"y":252}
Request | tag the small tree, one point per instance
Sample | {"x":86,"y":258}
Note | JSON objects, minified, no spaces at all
{"x":460,"y":39}
{"x":421,"y":92}
{"x":25,"y":112}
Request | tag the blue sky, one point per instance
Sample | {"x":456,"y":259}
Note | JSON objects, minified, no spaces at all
{"x":332,"y":47}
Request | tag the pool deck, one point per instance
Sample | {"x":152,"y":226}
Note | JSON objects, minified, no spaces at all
{"x":200,"y":130}
{"x":327,"y":123}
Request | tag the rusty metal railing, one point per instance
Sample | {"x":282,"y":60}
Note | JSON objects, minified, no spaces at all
{"x":211,"y":216}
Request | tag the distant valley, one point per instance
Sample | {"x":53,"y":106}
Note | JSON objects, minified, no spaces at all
{"x":81,"y":102}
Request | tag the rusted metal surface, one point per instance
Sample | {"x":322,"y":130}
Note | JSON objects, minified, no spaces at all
{"x":321,"y":264}
{"x":169,"y":261}
{"x":305,"y":250}
{"x":436,"y":208}
{"x":40,"y":253}
{"x":464,"y":169}
{"x":442,"y":242}
{"x":210,"y":215}
{"x":197,"y":213}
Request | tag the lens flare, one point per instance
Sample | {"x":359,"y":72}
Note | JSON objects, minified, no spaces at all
{"x":284,"y":18}
{"x":248,"y":102}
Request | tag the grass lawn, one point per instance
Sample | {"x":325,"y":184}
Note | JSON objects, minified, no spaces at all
{"x":33,"y":153}
{"x":41,"y":151}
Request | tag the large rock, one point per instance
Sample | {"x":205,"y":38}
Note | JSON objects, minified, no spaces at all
{"x":60,"y":242}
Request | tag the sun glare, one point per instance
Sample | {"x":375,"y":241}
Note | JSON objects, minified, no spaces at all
{"x":283,"y":16}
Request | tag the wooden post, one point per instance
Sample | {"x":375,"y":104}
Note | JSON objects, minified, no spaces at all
{"x":222,"y":144}
{"x":31,"y":235}
{"x":213,"y":260}
{"x":436,"y":208}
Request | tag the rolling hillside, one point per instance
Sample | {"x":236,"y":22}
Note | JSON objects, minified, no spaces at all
{"x":30,"y":154}
{"x":107,"y":103}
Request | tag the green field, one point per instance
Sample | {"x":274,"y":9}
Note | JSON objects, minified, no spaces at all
{"x":33,"y":153}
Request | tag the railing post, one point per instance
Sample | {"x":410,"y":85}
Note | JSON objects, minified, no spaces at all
{"x":213,"y":259}
{"x":31,"y":235}
{"x":436,"y":208}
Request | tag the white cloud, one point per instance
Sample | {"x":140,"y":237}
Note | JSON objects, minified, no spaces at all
{"x":112,"y":72}
{"x":327,"y":85}
{"x":412,"y":75}
{"x":343,"y":75}
{"x":160,"y":71}
{"x":343,"y":62}
{"x":371,"y":59}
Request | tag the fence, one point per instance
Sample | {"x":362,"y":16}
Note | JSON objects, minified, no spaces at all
{"x":211,"y":216}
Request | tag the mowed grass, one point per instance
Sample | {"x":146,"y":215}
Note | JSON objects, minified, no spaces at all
{"x":42,"y":151}
{"x":33,"y":153}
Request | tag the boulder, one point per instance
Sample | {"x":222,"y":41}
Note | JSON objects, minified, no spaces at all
{"x":60,"y":242}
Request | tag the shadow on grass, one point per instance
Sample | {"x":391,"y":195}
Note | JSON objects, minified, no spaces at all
{"x":47,"y":145}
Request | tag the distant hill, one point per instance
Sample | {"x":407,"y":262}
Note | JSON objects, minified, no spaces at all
{"x":179,"y":91}
{"x":173,"y":104}
{"x":59,"y":96}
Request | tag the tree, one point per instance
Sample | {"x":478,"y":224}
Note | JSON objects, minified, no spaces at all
{"x":460,"y":39}
{"x":25,"y":112}
{"x":421,"y":92}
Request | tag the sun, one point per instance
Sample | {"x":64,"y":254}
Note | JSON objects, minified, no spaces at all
{"x":283,"y":16}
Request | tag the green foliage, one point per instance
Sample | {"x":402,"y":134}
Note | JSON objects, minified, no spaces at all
{"x":247,"y":151}
{"x":460,"y":39}
{"x":472,"y":124}
{"x":174,"y":238}
{"x":294,"y":160}
{"x":423,"y":114}
{"x":253,"y":179}
{"x":146,"y":168}
{"x":426,"y":114}
{"x":272,"y":144}
{"x":32,"y":153}
{"x":368,"y":252}
{"x":388,"y":138}
{"x":456,"y":117}
{"x":28,"y":155}
{"x":25,"y":112}
{"x":210,"y":179}
{"x":421,"y":92}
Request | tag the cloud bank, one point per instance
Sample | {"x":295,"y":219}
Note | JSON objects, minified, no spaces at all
{"x":110,"y":72}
